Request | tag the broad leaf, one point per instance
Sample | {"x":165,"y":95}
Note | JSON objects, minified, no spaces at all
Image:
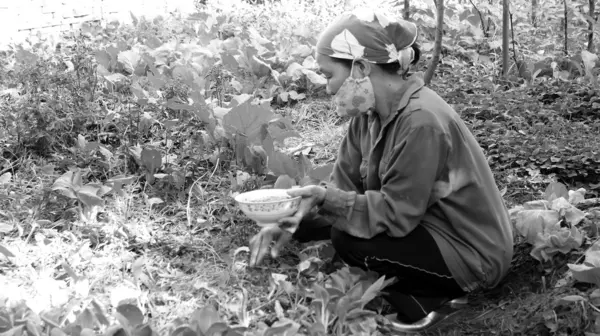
{"x":373,"y":290}
{"x":130,"y":60}
{"x":217,"y":329}
{"x":68,"y":183}
{"x":184,"y":331}
{"x":151,"y":159}
{"x":589,"y":271}
{"x":556,"y":190}
{"x":6,"y":252}
{"x":322,"y":173}
{"x":284,"y":182}
{"x":5,"y":178}
{"x":6,"y":228}
{"x":202,"y":319}
{"x":282,"y":164}
{"x":89,"y":198}
{"x":103,"y":58}
{"x":247,"y":119}
{"x":132,"y":313}
{"x":283,"y":327}
{"x":142,"y":330}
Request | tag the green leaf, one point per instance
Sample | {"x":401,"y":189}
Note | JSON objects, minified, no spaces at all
{"x":322,"y":173}
{"x":589,"y":271}
{"x":142,"y":330}
{"x":281,"y":129}
{"x":16,"y":331}
{"x":81,"y":141}
{"x":115,"y":330}
{"x":70,"y":271}
{"x":279,"y":330}
{"x":151,"y":159}
{"x":134,"y":19}
{"x":338,"y":282}
{"x":247,"y":119}
{"x":57,"y":332}
{"x":89,"y":199}
{"x":184,"y":331}
{"x":6,"y":228}
{"x":129,"y":59}
{"x":321,"y":293}
{"x":103,"y":58}
{"x":373,"y":290}
{"x":304,"y":166}
{"x":132,"y":313}
{"x":314,"y":78}
{"x":202,"y":319}
{"x":5,"y":178}
{"x":556,"y":190}
{"x":6,"y":252}
{"x":284,"y":182}
{"x":282,"y":164}
{"x":85,"y":319}
{"x":217,"y":329}
{"x":87,"y":332}
{"x":572,"y":298}
{"x":361,"y":321}
{"x":99,"y":313}
{"x":68,"y":183}
{"x":137,"y":267}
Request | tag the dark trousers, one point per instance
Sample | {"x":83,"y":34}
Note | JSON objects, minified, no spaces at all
{"x":424,"y":282}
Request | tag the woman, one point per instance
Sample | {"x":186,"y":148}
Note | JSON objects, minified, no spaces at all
{"x":411,"y":194}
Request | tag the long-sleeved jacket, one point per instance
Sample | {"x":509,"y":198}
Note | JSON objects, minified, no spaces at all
{"x":423,"y":166}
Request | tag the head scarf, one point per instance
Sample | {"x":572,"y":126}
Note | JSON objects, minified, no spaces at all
{"x":370,"y":35}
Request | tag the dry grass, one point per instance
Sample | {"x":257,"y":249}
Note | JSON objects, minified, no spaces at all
{"x":186,"y":267}
{"x":172,"y":264}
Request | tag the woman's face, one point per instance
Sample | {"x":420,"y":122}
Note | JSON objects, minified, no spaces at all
{"x":335,"y":73}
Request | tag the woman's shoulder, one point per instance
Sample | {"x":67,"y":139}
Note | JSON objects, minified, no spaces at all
{"x":427,"y":109}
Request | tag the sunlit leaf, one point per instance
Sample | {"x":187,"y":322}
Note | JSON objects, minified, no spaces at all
{"x":151,"y":159}
{"x":202,"y":319}
{"x":130,"y":60}
{"x":5,"y":227}
{"x":247,"y":119}
{"x":132,"y":313}
{"x":556,"y":190}
{"x":6,"y":252}
{"x":589,"y":271}
{"x":282,"y":164}
{"x":5,"y":178}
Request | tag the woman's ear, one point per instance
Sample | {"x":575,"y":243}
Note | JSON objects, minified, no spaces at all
{"x":362,"y":67}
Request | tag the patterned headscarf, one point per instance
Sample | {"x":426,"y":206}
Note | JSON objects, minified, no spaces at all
{"x":370,"y":35}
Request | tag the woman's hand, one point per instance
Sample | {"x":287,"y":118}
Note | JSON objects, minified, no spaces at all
{"x":282,"y":234}
{"x":259,"y":244}
{"x":312,"y":196}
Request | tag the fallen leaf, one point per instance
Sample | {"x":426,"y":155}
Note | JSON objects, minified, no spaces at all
{"x":589,"y":271}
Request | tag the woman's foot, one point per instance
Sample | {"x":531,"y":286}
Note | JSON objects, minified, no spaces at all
{"x":434,"y":318}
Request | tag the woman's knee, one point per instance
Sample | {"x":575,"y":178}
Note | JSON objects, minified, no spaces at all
{"x":343,"y":245}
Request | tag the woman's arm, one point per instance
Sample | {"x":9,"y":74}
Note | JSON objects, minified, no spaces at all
{"x":399,"y":206}
{"x":346,"y":170}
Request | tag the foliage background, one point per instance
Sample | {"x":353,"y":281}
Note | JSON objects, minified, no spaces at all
{"x":123,"y":145}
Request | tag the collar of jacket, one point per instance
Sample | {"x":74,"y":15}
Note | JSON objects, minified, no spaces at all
{"x":413,"y":84}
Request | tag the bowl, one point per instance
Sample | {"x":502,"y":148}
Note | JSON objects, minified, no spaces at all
{"x":267,"y":206}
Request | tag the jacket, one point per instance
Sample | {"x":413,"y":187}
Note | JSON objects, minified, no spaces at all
{"x":423,"y":166}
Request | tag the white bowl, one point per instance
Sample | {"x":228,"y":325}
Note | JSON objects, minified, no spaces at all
{"x":267,"y":206}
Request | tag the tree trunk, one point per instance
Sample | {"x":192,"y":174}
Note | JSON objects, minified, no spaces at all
{"x":566,"y":25}
{"x":407,"y":10}
{"x":534,"y":4}
{"x":505,"y":36}
{"x":590,"y":46}
{"x":437,"y":48}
